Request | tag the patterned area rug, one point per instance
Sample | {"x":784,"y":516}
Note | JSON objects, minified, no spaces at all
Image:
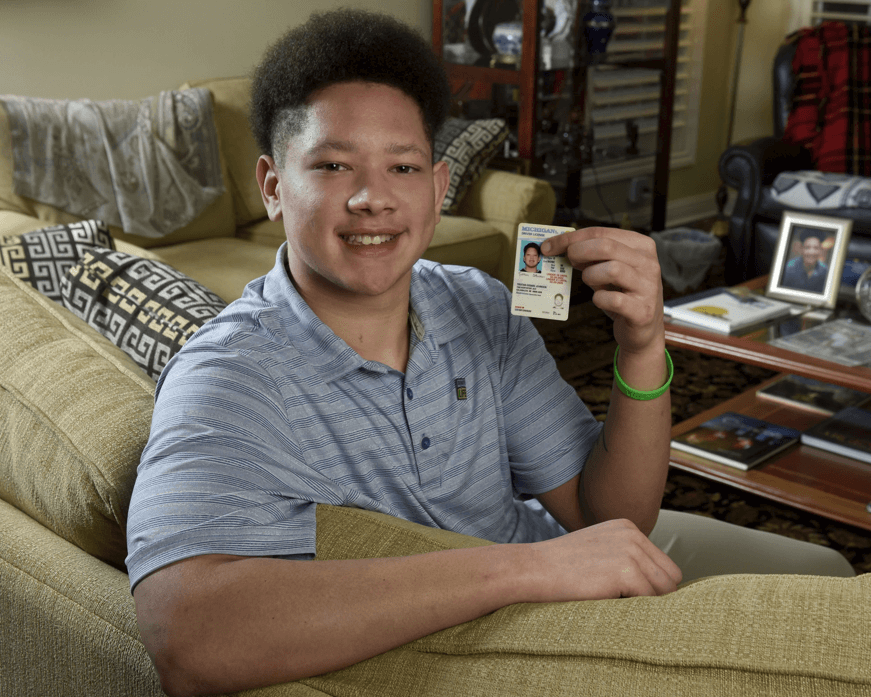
{"x":583,"y":348}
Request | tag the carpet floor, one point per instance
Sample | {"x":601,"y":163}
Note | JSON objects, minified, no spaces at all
{"x":583,"y":348}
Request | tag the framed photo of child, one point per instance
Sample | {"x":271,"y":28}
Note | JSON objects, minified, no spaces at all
{"x":809,"y":259}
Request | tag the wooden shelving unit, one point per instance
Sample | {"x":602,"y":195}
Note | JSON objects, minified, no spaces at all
{"x":476,"y":82}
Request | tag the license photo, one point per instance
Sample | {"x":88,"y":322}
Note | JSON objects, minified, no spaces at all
{"x":542,"y":285}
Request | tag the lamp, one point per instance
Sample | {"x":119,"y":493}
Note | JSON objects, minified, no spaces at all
{"x":721,"y":226}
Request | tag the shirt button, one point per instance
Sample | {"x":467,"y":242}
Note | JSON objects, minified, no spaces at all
{"x":425,"y":443}
{"x":409,"y":393}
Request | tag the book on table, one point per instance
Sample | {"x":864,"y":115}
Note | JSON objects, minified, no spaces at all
{"x":727,"y":310}
{"x":813,"y":395}
{"x":841,"y":341}
{"x":847,"y":432}
{"x":736,"y":440}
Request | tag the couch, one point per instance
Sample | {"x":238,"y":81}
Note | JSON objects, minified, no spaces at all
{"x":75,"y":412}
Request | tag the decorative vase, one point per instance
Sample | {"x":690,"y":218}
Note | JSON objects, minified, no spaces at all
{"x":598,"y":27}
{"x":508,"y":39}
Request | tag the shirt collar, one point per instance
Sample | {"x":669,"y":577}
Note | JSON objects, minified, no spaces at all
{"x":432,"y":322}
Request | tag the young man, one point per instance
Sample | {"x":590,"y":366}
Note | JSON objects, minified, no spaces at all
{"x":333,"y":380}
{"x":807,"y":271}
{"x":531,"y":257}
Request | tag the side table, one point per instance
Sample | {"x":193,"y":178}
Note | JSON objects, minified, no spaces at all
{"x":807,"y":478}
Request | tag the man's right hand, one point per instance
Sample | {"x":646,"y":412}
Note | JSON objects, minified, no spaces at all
{"x":613,"y":559}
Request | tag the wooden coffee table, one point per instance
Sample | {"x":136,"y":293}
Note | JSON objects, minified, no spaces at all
{"x":807,"y":478}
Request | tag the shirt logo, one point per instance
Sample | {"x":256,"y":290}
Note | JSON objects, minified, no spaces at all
{"x":460,"y":384}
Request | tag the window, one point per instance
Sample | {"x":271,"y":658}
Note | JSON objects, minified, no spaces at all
{"x":816,"y":11}
{"x":622,"y":100}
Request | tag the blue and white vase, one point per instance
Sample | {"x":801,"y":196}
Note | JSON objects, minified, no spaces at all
{"x":508,"y":39}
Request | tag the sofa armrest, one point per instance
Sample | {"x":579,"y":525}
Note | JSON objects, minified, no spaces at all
{"x":748,"y":168}
{"x":747,"y":634}
{"x":68,"y":624}
{"x":508,"y":198}
{"x":762,"y":160}
{"x":504,"y":200}
{"x":69,"y":628}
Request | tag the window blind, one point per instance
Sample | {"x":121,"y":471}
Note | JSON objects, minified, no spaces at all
{"x":622,"y":99}
{"x":843,"y":10}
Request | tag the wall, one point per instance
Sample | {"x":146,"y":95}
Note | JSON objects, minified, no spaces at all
{"x":128,"y":49}
{"x":767,"y":25}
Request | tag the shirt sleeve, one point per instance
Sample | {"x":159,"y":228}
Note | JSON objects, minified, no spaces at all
{"x":221,"y":473}
{"x":549,"y":430}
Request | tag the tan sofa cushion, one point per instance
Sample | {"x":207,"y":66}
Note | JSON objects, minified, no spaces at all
{"x":503,"y":197}
{"x":231,"y":97}
{"x":76,"y":415}
{"x":468,"y":242}
{"x":224,"y":266}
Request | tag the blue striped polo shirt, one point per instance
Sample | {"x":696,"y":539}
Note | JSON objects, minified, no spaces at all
{"x":265,"y":413}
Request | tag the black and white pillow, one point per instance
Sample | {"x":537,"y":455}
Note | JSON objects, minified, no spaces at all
{"x":145,"y":307}
{"x":467,"y":146}
{"x":42,"y":257}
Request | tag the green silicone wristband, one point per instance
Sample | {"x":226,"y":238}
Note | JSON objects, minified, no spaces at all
{"x":638,"y":394}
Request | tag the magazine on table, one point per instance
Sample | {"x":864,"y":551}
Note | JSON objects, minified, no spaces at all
{"x":727,"y":310}
{"x":848,"y":433}
{"x":841,"y":341}
{"x":813,"y":395}
{"x":736,"y":440}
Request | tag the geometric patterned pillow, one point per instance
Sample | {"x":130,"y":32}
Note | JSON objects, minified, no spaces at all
{"x":813,"y":190}
{"x":145,"y":307}
{"x":42,"y":257}
{"x":467,"y":146}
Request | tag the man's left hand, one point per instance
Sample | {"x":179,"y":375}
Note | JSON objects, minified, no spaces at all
{"x":622,"y":268}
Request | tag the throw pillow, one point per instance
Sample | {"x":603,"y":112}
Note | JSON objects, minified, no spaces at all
{"x":145,"y":307}
{"x":467,"y":146}
{"x":42,"y":257}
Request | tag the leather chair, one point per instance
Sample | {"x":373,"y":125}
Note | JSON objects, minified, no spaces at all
{"x":751,"y":168}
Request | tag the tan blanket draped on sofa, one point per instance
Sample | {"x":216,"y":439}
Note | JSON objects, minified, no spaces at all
{"x":149,"y":167}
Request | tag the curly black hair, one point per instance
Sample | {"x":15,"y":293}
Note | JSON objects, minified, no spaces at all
{"x":343,"y":45}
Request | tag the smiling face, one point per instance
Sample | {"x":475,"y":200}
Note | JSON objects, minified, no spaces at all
{"x":358,"y":193}
{"x":530,"y":258}
{"x":811,"y":252}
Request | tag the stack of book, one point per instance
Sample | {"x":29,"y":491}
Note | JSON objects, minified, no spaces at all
{"x":847,"y":432}
{"x":841,"y":341}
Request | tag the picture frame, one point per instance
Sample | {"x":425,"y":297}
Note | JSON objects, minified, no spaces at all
{"x":809,"y":259}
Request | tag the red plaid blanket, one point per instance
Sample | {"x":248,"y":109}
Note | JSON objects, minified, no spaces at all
{"x":831,"y":113}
